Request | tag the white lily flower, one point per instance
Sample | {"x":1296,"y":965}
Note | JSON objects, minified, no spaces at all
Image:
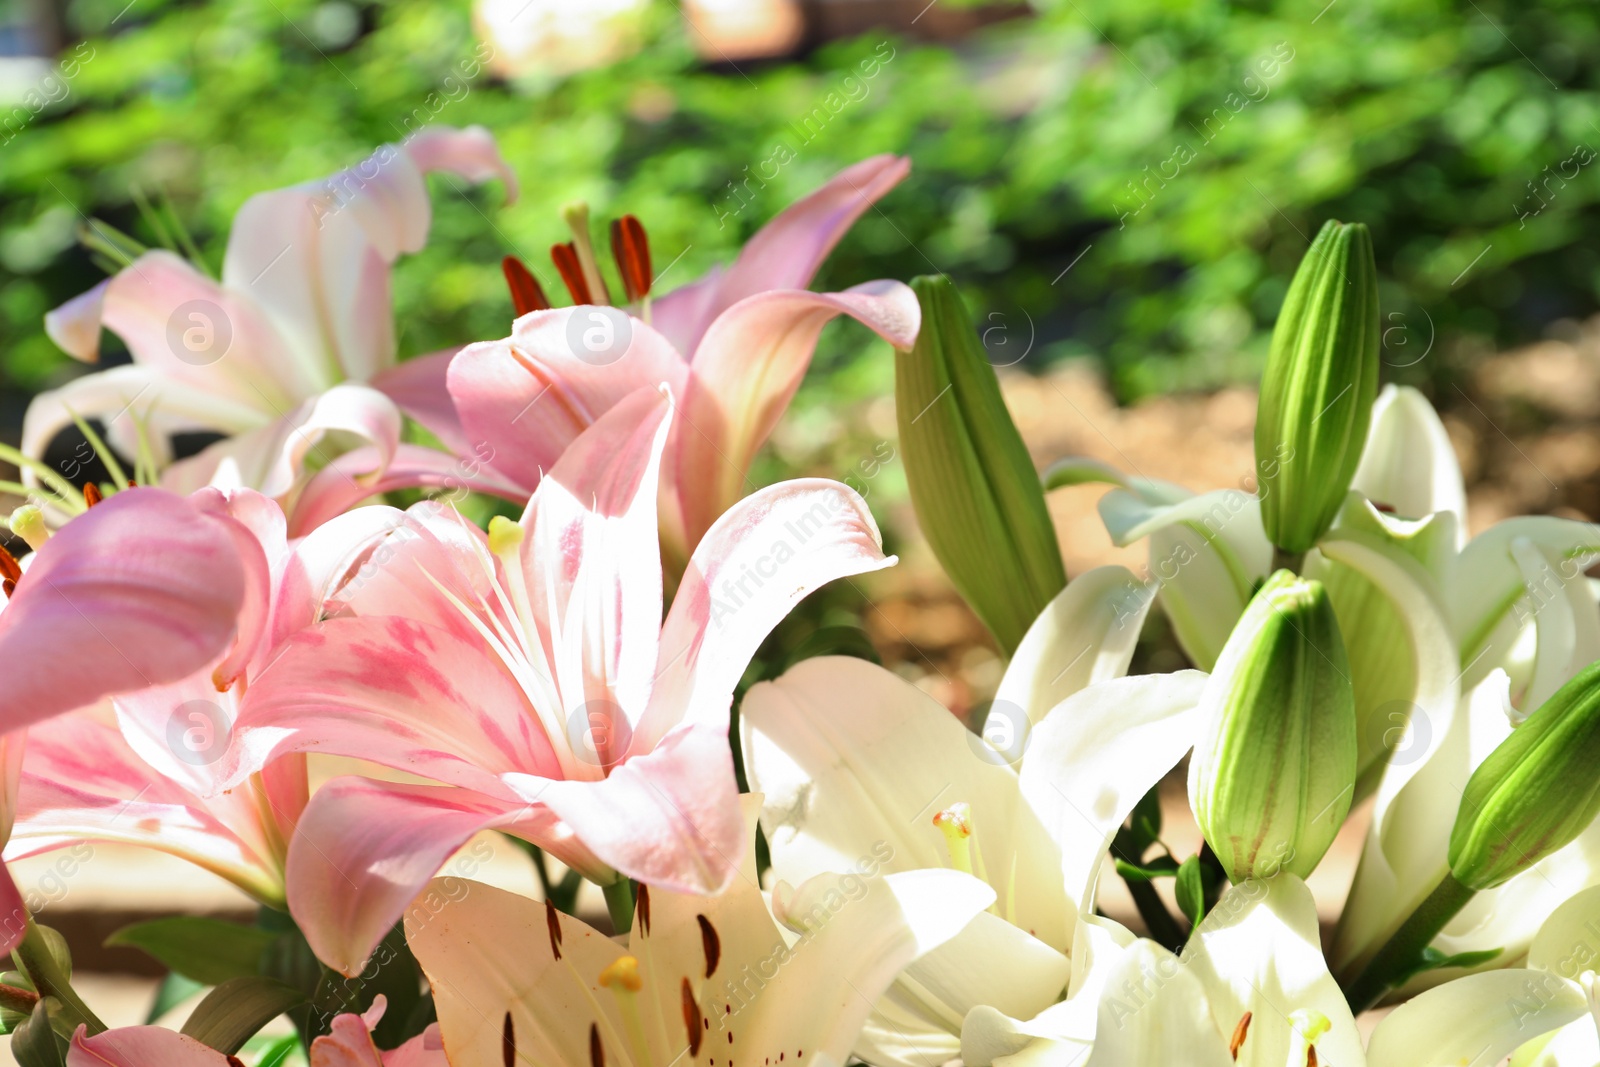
{"x":855,"y":762}
{"x":705,"y":980}
{"x":293,"y":347}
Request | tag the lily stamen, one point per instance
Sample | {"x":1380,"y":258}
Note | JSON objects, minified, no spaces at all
{"x":10,"y":572}
{"x":955,"y":822}
{"x":582,"y":245}
{"x":526,"y":292}
{"x":565,"y":257}
{"x":621,"y":976}
{"x":92,"y":494}
{"x":631,"y":249}
{"x":27,"y":522}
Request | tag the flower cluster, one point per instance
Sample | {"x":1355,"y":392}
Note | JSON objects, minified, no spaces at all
{"x":857,"y":873}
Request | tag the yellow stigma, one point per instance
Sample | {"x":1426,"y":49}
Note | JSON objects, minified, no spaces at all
{"x":504,"y":535}
{"x":27,"y":522}
{"x":623,"y":972}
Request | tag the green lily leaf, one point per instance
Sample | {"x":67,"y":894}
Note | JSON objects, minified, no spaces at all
{"x":232,"y":1013}
{"x":209,"y":951}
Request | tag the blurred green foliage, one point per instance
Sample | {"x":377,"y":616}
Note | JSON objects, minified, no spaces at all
{"x":1175,"y":155}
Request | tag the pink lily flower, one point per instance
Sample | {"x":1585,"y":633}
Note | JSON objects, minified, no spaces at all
{"x":296,"y":341}
{"x":143,"y":589}
{"x":348,"y":1045}
{"x":145,"y":773}
{"x":530,"y":674}
{"x":733,"y":346}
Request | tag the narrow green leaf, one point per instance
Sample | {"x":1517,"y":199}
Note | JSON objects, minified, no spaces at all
{"x":1190,"y":890}
{"x":174,"y":990}
{"x":209,"y":951}
{"x":232,"y":1013}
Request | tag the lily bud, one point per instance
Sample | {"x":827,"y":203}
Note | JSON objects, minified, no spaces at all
{"x":977,"y":496}
{"x":1273,"y":774}
{"x":1318,"y":389}
{"x":1536,"y":792}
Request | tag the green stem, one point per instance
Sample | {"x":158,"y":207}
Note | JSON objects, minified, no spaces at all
{"x":1399,"y":957}
{"x":619,"y":901}
{"x":1164,"y":929}
{"x":1287,"y":561}
{"x":35,"y":959}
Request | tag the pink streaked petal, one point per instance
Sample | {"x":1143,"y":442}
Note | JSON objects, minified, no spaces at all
{"x":363,"y":851}
{"x":745,"y":373}
{"x":417,"y":386}
{"x":470,"y":153}
{"x":424,"y":1050}
{"x":13,"y":912}
{"x":346,"y":482}
{"x":528,"y":397}
{"x":75,"y":325}
{"x":83,"y":782}
{"x":257,"y":527}
{"x":682,"y":315}
{"x":142,"y":590}
{"x":141,"y":1046}
{"x":670,"y":818}
{"x":360,"y":414}
{"x":176,"y":320}
{"x":753,"y":566}
{"x":324,"y":559}
{"x":349,"y":1043}
{"x":394,"y":691}
{"x":787,"y":251}
{"x":593,"y":559}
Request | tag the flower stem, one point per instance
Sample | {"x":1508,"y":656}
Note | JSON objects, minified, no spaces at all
{"x":619,"y":901}
{"x":1399,"y":957}
{"x":1164,"y":929}
{"x":17,"y":999}
{"x":49,"y":977}
{"x":1287,"y":561}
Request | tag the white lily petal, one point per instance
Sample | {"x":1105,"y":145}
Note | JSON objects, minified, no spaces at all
{"x":1409,"y":463}
{"x":1086,"y":634}
{"x":1260,"y":951}
{"x":1477,"y":1019}
{"x":1095,"y":755}
{"x":1155,"y":1011}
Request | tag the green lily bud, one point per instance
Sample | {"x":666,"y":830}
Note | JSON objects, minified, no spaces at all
{"x":1536,"y":792}
{"x":977,"y":496}
{"x":1318,"y":389}
{"x":1273,"y":773}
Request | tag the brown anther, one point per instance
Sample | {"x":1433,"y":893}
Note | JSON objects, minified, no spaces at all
{"x":692,"y":1020}
{"x":565,"y":258}
{"x":631,"y":248}
{"x":10,"y":569}
{"x":1239,"y":1033}
{"x":9,"y":586}
{"x":526,"y":293}
{"x":1311,"y":1056}
{"x":92,"y":494}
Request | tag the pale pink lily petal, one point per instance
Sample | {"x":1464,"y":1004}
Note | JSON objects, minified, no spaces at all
{"x":75,"y":325}
{"x":257,"y":527}
{"x":142,"y":590}
{"x":349,"y":1043}
{"x":344,"y":483}
{"x":759,"y":560}
{"x":142,"y":1046}
{"x":670,"y":818}
{"x":316,"y":255}
{"x":83,"y":782}
{"x":745,"y":373}
{"x":593,"y":559}
{"x":528,"y":397}
{"x":787,"y":251}
{"x":365,"y":849}
{"x":399,"y":692}
{"x":417,"y":387}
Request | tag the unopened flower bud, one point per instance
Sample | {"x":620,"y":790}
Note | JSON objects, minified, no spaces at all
{"x":1537,"y":791}
{"x":1318,"y":389}
{"x":977,"y":496}
{"x":1273,"y":773}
